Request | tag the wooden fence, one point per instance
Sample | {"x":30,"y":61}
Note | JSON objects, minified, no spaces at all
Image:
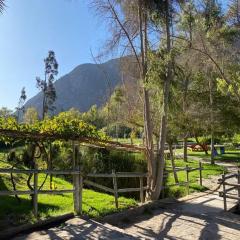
{"x":228,"y":187}
{"x":115,"y":190}
{"x":187,"y":170}
{"x":77,"y":185}
{"x":76,"y":190}
{"x":78,"y":182}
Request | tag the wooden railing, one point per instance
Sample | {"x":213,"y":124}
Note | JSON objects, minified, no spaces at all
{"x":187,"y":170}
{"x":226,"y":193}
{"x":79,"y":180}
{"x":115,"y":190}
{"x":76,"y":190}
{"x":77,"y":185}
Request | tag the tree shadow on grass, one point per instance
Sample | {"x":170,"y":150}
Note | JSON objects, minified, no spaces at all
{"x":13,"y":213}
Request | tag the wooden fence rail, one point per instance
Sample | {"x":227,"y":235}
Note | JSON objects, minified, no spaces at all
{"x":233,"y":186}
{"x":79,"y":179}
{"x":188,"y":170}
{"x":77,"y":186}
{"x":115,"y":190}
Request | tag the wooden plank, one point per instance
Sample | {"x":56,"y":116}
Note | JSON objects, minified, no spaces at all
{"x":119,"y":174}
{"x":100,"y":175}
{"x":228,"y":176}
{"x":232,"y":197}
{"x":90,"y":183}
{"x":129,"y":190}
{"x":230,"y":189}
{"x":52,"y":192}
{"x":193,"y":169}
{"x":28,"y":171}
{"x":9,"y":193}
{"x":236,"y":185}
{"x":130,"y":174}
{"x":60,"y":172}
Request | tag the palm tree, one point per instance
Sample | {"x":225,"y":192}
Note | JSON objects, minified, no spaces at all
{"x":2,"y":5}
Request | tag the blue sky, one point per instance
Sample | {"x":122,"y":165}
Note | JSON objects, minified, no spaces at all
{"x":29,"y":28}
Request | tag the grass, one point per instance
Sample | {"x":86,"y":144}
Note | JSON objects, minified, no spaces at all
{"x":136,"y":141}
{"x":229,"y":156}
{"x":180,"y":191}
{"x":95,"y":204}
{"x":12,"y":213}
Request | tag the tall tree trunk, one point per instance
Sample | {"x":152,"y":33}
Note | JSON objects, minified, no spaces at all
{"x":211,"y":120}
{"x":185,"y":155}
{"x":163,"y":126}
{"x":148,"y":132}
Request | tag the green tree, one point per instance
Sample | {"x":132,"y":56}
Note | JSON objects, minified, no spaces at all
{"x":47,"y":84}
{"x":20,"y":108}
{"x":2,"y":5}
{"x":30,"y":115}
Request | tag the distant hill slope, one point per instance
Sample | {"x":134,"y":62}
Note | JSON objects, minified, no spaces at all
{"x":86,"y":85}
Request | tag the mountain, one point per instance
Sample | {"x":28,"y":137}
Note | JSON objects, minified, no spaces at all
{"x":84,"y":86}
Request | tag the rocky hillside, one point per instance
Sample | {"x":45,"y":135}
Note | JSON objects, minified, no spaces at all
{"x":84,"y":86}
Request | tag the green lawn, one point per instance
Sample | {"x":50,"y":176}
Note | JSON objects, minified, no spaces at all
{"x":95,"y":204}
{"x":136,"y":141}
{"x":229,"y":156}
{"x":177,"y":191}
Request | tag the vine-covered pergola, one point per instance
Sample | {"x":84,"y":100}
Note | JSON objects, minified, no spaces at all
{"x":97,"y":142}
{"x":39,"y":137}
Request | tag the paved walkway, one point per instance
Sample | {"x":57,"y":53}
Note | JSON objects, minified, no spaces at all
{"x":198,"y":216}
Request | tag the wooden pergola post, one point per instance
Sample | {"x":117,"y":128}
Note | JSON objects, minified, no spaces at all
{"x":115,"y":188}
{"x":200,"y":172}
{"x":77,"y":180}
{"x":35,"y":195}
{"x":224,"y":193}
{"x":187,"y":178}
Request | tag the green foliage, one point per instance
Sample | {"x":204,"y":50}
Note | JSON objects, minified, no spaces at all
{"x":12,"y":213}
{"x":236,"y":139}
{"x":58,"y":125}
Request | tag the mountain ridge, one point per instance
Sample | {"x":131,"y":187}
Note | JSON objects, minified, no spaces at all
{"x":86,"y":85}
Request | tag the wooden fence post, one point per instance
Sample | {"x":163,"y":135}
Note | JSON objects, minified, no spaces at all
{"x":35,"y":195}
{"x":200,"y":172}
{"x":115,"y":188}
{"x":80,"y":192}
{"x":77,"y":182}
{"x":238,"y":177}
{"x":224,"y":193}
{"x":141,"y":190}
{"x":187,"y":178}
{"x":50,"y":165}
